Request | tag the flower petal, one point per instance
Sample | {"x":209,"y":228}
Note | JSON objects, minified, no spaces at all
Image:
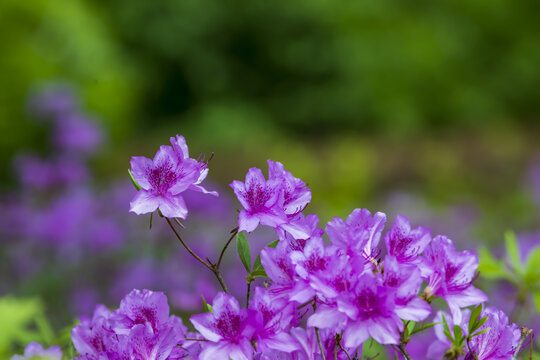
{"x":144,"y":202}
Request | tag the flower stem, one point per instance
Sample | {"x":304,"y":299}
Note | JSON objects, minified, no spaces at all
{"x":212,"y":267}
{"x":320,"y":343}
{"x":401,"y":349}
{"x":233,"y":232}
{"x":248,"y":293}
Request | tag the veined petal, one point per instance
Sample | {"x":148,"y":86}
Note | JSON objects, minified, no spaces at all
{"x":326,"y":317}
{"x":180,"y":146}
{"x":204,"y":323}
{"x":416,"y":310}
{"x":172,"y":206}
{"x":355,"y":334}
{"x":140,"y":166}
{"x":384,"y":331}
{"x":240,"y":191}
{"x":144,"y":202}
{"x":201,"y":189}
{"x":247,"y":222}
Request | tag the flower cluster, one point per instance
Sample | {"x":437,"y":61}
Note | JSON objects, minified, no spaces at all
{"x":140,"y":328}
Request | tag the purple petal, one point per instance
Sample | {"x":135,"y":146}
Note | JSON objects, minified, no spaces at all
{"x":173,"y":206}
{"x":204,"y":323}
{"x":247,"y":222}
{"x":139,"y":168}
{"x":416,"y":310}
{"x":355,"y":334}
{"x":144,"y":202}
{"x":384,"y":331}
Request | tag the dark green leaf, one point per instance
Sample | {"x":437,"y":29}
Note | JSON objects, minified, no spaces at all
{"x":458,"y":334}
{"x":242,"y":246}
{"x":137,"y":186}
{"x":447,"y":332}
{"x":258,"y":269}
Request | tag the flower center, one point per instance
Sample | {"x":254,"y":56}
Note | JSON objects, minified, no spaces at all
{"x":257,"y":196}
{"x":162,"y":177}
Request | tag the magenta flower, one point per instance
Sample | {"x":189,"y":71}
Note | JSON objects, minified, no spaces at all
{"x":451,"y":274}
{"x":405,"y":278}
{"x":261,"y":199}
{"x":296,"y":195}
{"x":276,"y":316}
{"x":368,"y":310}
{"x":404,"y":243}
{"x":500,"y":342}
{"x":163,"y":179}
{"x":36,"y":351}
{"x":279,"y":268}
{"x":359,"y":235}
{"x":299,"y":228}
{"x":140,"y":329}
{"x":228,"y":328}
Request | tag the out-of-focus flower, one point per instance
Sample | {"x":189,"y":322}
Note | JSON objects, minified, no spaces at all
{"x":451,"y":274}
{"x":77,"y":133}
{"x":35,"y":351}
{"x":499,"y":342}
{"x":261,"y":199}
{"x":228,"y":328}
{"x":163,"y":179}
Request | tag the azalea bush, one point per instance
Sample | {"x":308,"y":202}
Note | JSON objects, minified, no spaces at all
{"x":335,"y":293}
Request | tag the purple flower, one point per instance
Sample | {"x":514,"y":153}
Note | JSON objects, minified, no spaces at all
{"x":499,"y":342}
{"x":36,"y":351}
{"x":406,"y":280}
{"x":279,"y":268}
{"x":451,"y":274}
{"x":141,"y":307}
{"x":261,"y":201}
{"x":404,"y":243}
{"x":276,"y":317}
{"x":359,"y":235}
{"x":296,"y":195}
{"x":77,"y":133}
{"x":53,"y":101}
{"x":164,"y":178}
{"x":299,"y":228}
{"x":367,"y":310}
{"x":228,"y":328}
{"x":140,"y":329}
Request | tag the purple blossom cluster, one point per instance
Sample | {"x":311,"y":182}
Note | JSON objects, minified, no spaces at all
{"x":325,"y":298}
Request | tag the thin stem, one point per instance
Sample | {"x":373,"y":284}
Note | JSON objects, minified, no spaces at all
{"x":524,"y":335}
{"x":248,"y":293}
{"x":336,"y":347}
{"x":338,"y":341}
{"x":189,"y":339}
{"x":187,"y":247}
{"x":470,"y":350}
{"x":213,"y":267}
{"x":320,"y":343}
{"x":401,"y":349}
{"x":233,"y":232}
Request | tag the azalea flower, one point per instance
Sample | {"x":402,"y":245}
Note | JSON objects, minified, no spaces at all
{"x":36,"y":351}
{"x":404,"y":243}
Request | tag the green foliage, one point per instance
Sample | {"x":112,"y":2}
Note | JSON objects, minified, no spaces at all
{"x":22,"y":321}
{"x":242,"y":246}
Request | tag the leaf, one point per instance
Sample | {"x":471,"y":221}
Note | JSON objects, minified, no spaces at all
{"x":490,"y":267}
{"x":258,"y":269}
{"x":242,"y":246}
{"x":481,"y":322}
{"x":458,"y":334}
{"x":273,"y":244}
{"x":481,"y":332}
{"x":206,"y":306}
{"x":447,"y":330}
{"x":474,"y":316}
{"x":513,"y":251}
{"x":137,"y":186}
{"x":532,"y":268}
{"x":536,"y":298}
{"x":424,"y":327}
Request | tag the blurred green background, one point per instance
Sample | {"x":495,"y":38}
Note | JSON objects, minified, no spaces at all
{"x":358,"y":98}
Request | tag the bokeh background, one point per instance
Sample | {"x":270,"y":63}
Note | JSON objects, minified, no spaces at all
{"x":430,"y":109}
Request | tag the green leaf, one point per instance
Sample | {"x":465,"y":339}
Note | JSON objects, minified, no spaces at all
{"x":424,"y":327}
{"x":513,"y":251}
{"x":481,"y":332}
{"x":474,"y":316}
{"x":258,"y":269}
{"x":410,"y":326}
{"x":273,"y":244}
{"x":447,"y":332}
{"x":536,"y":299}
{"x":532,"y":269}
{"x":137,"y":186}
{"x":490,"y":267}
{"x":242,"y":246}
{"x":206,"y":306}
{"x":458,"y":334}
{"x":481,"y":322}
